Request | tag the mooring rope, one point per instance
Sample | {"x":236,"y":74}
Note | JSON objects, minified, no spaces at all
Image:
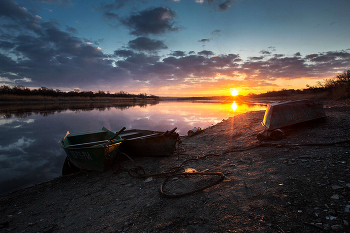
{"x":139,"y":172}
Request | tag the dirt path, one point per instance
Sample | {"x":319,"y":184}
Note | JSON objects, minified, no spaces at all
{"x":284,"y":186}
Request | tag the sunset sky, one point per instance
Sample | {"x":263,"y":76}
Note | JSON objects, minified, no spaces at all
{"x":173,"y":47}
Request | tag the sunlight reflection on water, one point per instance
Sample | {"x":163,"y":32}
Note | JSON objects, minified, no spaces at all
{"x":29,"y":144}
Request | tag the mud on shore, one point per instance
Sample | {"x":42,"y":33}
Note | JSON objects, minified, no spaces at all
{"x":298,"y":184}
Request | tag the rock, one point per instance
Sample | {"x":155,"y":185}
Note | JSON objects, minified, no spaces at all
{"x":336,"y":227}
{"x":335,"y":187}
{"x":347,"y":208}
{"x":149,"y":179}
{"x":326,"y":227}
{"x":335,"y":196}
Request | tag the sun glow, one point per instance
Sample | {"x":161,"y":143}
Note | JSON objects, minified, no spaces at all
{"x":234,"y":106}
{"x":234,"y":92}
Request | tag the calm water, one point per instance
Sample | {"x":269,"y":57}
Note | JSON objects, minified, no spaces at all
{"x":30,"y":152}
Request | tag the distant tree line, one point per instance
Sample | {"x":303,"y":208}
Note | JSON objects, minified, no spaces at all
{"x":338,"y":87}
{"x":44,"y":91}
{"x":287,"y":92}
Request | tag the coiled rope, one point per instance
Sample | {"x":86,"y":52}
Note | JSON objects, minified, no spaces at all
{"x":139,"y":172}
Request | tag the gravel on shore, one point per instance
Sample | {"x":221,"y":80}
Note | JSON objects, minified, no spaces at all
{"x":298,"y":184}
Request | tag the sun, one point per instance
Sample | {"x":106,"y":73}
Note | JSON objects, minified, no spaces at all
{"x":234,"y":92}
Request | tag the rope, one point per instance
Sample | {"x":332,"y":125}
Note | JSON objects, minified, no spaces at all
{"x":222,"y":177}
{"x":139,"y":172}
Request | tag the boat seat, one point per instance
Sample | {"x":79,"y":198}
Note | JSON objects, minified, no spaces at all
{"x":90,"y":144}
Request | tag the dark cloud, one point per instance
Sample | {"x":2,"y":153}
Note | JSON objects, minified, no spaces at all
{"x":46,"y":55}
{"x":110,"y":16}
{"x":216,"y":32}
{"x":116,"y":5}
{"x":218,"y":5}
{"x":178,"y":53}
{"x":256,"y":58}
{"x":36,"y":53}
{"x":71,"y":30}
{"x":111,"y":11}
{"x":139,"y":66}
{"x":152,"y":21}
{"x":265,"y":52}
{"x":204,"y":40}
{"x":61,"y":3}
{"x":225,"y":5}
{"x":124,"y":53}
{"x":328,"y":57}
{"x":6,"y":45}
{"x":206,"y":53}
{"x":11,"y":10}
{"x":146,"y":44}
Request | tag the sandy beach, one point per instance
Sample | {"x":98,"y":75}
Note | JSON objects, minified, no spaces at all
{"x":300,"y":183}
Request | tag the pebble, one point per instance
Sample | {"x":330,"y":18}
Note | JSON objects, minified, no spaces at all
{"x":149,"y":179}
{"x":347,"y":208}
{"x":336,"y":187}
{"x":336,"y":227}
{"x":331,"y":218}
{"x":335,"y":196}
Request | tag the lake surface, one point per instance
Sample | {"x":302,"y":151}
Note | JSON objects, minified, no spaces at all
{"x":30,"y":151}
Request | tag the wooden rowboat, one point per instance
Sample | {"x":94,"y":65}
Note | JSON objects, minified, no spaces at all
{"x":287,"y":113}
{"x":91,"y":150}
{"x":148,"y":143}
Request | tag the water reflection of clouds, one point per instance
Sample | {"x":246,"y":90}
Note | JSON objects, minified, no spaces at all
{"x":19,"y":145}
{"x":15,"y":120}
{"x":31,"y":153}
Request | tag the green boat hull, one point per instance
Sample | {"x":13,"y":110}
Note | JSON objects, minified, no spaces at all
{"x":89,"y":150}
{"x":148,"y":143}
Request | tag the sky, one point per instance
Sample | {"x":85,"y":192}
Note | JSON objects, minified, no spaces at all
{"x":173,"y":47}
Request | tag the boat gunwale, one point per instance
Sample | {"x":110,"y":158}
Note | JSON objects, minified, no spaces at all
{"x":72,"y":147}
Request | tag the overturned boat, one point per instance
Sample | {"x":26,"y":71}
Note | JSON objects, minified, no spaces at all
{"x":137,"y":142}
{"x":286,"y":113}
{"x":90,"y":150}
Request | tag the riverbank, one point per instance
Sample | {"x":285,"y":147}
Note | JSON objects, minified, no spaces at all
{"x":11,"y":99}
{"x":298,"y":184}
{"x":23,"y":108}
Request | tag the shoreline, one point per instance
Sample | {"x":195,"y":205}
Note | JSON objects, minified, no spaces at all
{"x":278,"y":186}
